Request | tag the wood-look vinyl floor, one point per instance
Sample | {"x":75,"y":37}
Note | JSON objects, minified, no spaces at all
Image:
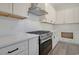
{"x":63,"y":48}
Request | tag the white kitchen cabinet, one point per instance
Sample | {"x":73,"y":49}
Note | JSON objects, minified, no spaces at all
{"x":69,"y":15}
{"x":6,"y":7}
{"x":26,"y":48}
{"x":60,"y":17}
{"x":15,"y":49}
{"x":55,"y":38}
{"x":51,"y":16}
{"x":41,"y":5}
{"x":34,"y":46}
{"x":21,"y":9}
{"x":22,"y":53}
{"x":76,"y":15}
{"x":65,"y":15}
{"x":72,"y":15}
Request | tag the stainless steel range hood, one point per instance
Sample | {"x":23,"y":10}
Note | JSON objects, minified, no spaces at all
{"x":34,"y":9}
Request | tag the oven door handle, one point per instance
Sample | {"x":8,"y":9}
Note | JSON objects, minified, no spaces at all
{"x":46,"y":39}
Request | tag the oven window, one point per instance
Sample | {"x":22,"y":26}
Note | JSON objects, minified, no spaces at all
{"x":46,"y":47}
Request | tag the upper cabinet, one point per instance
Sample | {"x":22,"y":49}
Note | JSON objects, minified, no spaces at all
{"x":14,"y":10}
{"x":51,"y":16}
{"x":41,"y":5}
{"x":60,"y":17}
{"x":67,"y":14}
{"x":76,"y":15}
{"x":6,"y":7}
{"x":21,"y":9}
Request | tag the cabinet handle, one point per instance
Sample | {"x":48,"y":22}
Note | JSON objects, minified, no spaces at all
{"x":13,"y":50}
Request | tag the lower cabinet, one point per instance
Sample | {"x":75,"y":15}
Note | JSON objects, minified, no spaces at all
{"x":15,"y":49}
{"x":28,"y":47}
{"x":34,"y":46}
{"x":22,"y":53}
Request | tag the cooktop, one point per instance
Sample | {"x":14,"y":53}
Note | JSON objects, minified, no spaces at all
{"x":38,"y":32}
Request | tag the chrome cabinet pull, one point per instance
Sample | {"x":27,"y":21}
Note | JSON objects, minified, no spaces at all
{"x":13,"y":50}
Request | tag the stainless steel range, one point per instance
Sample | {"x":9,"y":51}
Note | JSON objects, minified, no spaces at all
{"x":45,"y":41}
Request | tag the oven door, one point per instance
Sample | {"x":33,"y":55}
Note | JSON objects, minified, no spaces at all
{"x":45,"y":47}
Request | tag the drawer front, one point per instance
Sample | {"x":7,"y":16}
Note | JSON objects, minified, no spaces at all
{"x":22,"y":53}
{"x":14,"y":49}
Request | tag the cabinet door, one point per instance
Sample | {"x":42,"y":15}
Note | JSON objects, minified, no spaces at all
{"x":33,"y":46}
{"x":15,"y":49}
{"x":26,"y":51}
{"x":6,"y":7}
{"x":69,"y":15}
{"x":41,"y":5}
{"x":51,"y":16}
{"x":22,"y":53}
{"x":21,"y":9}
{"x":76,"y":15}
{"x":60,"y":17}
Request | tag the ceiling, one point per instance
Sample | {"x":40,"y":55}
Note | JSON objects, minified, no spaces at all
{"x":59,"y":5}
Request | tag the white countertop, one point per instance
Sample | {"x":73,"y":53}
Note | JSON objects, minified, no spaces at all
{"x":7,"y":40}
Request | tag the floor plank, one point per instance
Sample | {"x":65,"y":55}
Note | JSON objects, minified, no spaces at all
{"x":72,"y":49}
{"x":63,"y":48}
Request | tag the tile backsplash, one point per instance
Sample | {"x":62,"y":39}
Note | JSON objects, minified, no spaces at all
{"x":10,"y":26}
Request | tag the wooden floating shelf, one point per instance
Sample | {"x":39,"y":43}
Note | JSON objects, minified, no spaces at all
{"x":11,"y":15}
{"x":58,"y":24}
{"x":46,"y":22}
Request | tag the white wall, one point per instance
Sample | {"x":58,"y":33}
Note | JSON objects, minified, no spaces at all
{"x":68,"y":28}
{"x":7,"y":26}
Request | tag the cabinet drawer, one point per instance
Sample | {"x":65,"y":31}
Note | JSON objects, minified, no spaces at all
{"x":22,"y":53}
{"x":14,"y":49}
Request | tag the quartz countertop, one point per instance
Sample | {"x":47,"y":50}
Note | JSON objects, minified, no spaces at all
{"x":11,"y":39}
